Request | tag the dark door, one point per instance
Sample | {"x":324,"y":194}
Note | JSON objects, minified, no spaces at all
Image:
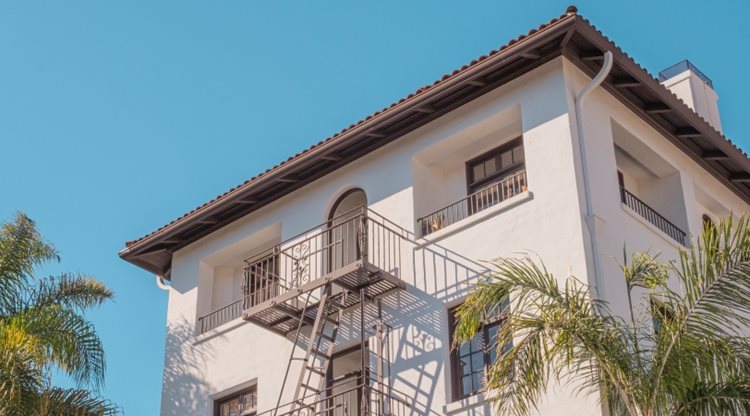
{"x":344,"y":383}
{"x":345,"y":222}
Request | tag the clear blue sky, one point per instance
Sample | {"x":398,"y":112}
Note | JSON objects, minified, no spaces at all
{"x":116,"y":117}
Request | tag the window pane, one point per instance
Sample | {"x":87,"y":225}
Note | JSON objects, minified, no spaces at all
{"x":477,"y":343}
{"x":478,"y":378}
{"x":477,"y":362}
{"x":466,"y":387}
{"x":490,"y":167}
{"x":479,"y":172}
{"x":464,"y":366}
{"x":464,"y":350}
{"x":239,"y":404}
{"x":517,"y":154}
{"x":492,"y":335}
{"x":507,"y":158}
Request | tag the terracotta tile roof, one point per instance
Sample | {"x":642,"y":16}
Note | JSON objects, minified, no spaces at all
{"x":571,"y":11}
{"x":153,"y":251}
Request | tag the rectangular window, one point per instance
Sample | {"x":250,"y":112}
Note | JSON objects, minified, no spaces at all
{"x":243,"y":403}
{"x":493,"y":166}
{"x":470,"y":361}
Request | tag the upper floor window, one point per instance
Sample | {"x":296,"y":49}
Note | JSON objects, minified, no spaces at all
{"x":243,"y":403}
{"x":471,"y":361}
{"x":494,"y":165}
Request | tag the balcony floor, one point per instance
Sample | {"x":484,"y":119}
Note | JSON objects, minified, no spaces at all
{"x":282,"y":314}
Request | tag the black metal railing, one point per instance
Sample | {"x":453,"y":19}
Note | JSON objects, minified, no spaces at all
{"x":650,"y":215}
{"x":220,"y":316}
{"x":370,"y":399}
{"x":358,"y":235}
{"x":478,"y":201}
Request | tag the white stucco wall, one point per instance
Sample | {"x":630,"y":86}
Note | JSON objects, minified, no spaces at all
{"x":410,"y":178}
{"x":683,"y":193}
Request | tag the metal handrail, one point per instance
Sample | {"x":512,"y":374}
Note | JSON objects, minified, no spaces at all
{"x":652,"y":216}
{"x":490,"y":195}
{"x":220,"y":316}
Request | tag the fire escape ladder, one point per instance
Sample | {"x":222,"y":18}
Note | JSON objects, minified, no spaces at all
{"x":319,"y":350}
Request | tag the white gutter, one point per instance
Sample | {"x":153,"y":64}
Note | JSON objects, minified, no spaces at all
{"x":160,"y":282}
{"x":590,"y":218}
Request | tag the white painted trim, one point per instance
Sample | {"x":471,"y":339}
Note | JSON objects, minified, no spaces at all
{"x":473,"y":219}
{"x":233,"y":390}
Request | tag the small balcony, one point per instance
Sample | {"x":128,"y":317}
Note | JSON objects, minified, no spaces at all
{"x":652,"y":216}
{"x":491,"y":195}
{"x":371,"y":399}
{"x":359,"y":249}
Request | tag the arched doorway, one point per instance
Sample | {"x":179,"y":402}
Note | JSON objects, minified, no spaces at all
{"x":344,"y":221}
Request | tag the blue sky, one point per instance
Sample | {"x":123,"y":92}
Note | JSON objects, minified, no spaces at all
{"x":117,"y":117}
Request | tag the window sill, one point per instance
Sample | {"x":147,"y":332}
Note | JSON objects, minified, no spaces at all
{"x":652,"y":227}
{"x":478,"y":399}
{"x":473,"y":219}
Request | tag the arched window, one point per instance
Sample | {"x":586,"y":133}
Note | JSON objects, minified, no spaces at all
{"x":344,"y":222}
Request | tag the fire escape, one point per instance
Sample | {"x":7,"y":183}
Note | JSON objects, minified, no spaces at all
{"x":304,"y":288}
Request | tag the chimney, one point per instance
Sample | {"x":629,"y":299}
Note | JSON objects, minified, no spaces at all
{"x":694,"y":88}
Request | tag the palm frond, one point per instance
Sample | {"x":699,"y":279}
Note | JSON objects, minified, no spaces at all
{"x":79,"y":292}
{"x":21,"y":250}
{"x":716,"y":399}
{"x":68,"y":340}
{"x":69,"y":402}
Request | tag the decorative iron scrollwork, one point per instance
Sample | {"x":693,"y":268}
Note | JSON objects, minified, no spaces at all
{"x":301,"y":264}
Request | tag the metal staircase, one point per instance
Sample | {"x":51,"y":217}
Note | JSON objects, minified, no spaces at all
{"x":309,"y":281}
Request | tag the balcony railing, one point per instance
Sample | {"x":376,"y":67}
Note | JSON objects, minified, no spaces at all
{"x":650,"y":215}
{"x":480,"y":200}
{"x":220,"y":316}
{"x":371,"y":399}
{"x":360,"y":235}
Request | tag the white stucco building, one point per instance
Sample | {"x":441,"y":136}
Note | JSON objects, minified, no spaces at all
{"x":558,"y":143}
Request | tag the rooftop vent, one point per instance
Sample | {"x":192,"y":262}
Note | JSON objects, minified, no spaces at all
{"x":694,"y":88}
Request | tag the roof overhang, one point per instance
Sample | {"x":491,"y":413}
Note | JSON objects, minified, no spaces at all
{"x":570,"y":36}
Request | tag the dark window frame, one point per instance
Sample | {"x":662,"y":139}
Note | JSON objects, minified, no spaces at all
{"x":496,"y":321}
{"x":473,"y":185}
{"x":229,"y":397}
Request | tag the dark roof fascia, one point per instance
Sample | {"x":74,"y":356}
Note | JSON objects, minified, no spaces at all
{"x":184,"y":231}
{"x":571,"y":36}
{"x":598,"y":44}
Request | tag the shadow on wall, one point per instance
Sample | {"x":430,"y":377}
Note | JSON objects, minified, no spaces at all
{"x":184,"y":390}
{"x":445,"y":274}
{"x":420,"y":337}
{"x":417,"y":345}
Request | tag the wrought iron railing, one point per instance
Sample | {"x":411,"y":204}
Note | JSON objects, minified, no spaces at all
{"x":370,"y":399}
{"x":358,"y":235}
{"x":652,"y":216}
{"x":478,"y":201}
{"x":220,"y":316}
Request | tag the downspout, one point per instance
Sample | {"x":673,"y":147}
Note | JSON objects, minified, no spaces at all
{"x":160,"y":282}
{"x":590,"y":218}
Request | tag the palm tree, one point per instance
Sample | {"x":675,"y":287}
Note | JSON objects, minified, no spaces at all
{"x":682,"y":350}
{"x":42,"y":328}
